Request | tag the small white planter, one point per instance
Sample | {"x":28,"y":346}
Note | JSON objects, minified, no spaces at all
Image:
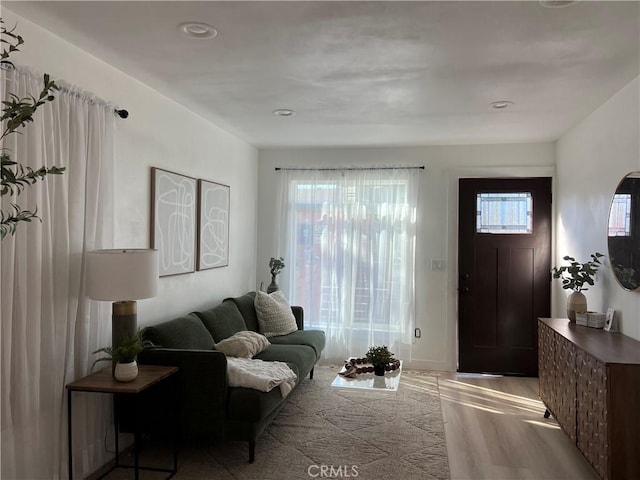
{"x":576,"y":303}
{"x":126,"y":372}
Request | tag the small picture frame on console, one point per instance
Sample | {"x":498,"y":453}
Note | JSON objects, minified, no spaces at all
{"x":610,"y":321}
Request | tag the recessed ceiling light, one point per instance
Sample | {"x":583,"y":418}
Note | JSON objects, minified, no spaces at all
{"x":198,"y":29}
{"x":557,"y":3}
{"x":501,"y":104}
{"x":284,"y":112}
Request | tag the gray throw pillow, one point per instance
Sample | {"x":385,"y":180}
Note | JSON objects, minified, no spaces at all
{"x":243,"y":344}
{"x":274,"y":314}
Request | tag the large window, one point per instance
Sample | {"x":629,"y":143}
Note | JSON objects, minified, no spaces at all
{"x":351,"y":241}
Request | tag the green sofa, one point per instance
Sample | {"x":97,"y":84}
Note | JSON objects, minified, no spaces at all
{"x":210,"y":409}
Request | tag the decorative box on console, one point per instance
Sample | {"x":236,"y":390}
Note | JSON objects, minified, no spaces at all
{"x":591,"y":319}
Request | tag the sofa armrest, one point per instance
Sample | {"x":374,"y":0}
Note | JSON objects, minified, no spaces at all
{"x":202,"y":384}
{"x":298,"y":312}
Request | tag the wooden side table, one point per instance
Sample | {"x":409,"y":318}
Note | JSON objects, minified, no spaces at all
{"x":103,"y":382}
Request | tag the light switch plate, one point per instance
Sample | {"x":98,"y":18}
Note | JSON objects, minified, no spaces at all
{"x":437,"y":264}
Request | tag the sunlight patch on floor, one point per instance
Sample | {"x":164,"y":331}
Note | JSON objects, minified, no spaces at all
{"x":493,"y":392}
{"x":488,"y":399}
{"x":542,"y":424}
{"x":477,"y":406}
{"x":508,"y":403}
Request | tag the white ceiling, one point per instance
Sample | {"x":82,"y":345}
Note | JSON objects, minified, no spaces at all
{"x":367,"y":73}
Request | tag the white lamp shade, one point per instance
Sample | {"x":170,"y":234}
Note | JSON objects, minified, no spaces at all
{"x":120,"y":274}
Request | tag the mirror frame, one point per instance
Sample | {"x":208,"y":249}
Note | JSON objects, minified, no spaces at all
{"x":614,"y":242}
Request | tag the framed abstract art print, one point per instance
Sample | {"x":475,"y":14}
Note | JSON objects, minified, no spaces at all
{"x":213,"y":225}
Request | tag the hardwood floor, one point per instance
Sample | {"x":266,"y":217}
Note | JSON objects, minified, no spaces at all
{"x":495,"y":429}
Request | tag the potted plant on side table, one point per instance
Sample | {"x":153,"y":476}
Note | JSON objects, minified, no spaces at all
{"x":574,"y":276}
{"x":124,"y":357}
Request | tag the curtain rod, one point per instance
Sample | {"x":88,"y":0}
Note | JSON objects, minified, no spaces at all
{"x":121,"y":112}
{"x":421,"y":167}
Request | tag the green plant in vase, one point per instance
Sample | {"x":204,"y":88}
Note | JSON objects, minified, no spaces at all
{"x":16,"y":114}
{"x":379,"y":357}
{"x":574,"y":277}
{"x":276,"y":265}
{"x":123,"y":356}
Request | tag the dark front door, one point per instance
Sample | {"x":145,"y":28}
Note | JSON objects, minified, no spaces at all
{"x":504,"y":280}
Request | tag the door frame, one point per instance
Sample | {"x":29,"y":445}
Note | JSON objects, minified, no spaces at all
{"x":452,"y":235}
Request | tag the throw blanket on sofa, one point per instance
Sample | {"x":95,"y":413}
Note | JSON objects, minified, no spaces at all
{"x":260,"y":375}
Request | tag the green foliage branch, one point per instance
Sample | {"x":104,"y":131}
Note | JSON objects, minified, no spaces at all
{"x":575,"y":275}
{"x":379,"y":355}
{"x":276,"y":265}
{"x":126,"y":352}
{"x":17,"y":113}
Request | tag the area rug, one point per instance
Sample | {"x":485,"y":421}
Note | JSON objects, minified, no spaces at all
{"x":327,"y":432}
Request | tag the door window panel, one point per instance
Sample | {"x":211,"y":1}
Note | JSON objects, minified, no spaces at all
{"x":504,"y":213}
{"x":620,"y":217}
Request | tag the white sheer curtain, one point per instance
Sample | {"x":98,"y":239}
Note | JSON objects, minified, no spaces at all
{"x":350,"y":243}
{"x":49,"y":328}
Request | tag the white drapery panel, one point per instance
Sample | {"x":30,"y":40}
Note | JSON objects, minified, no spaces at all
{"x":350,"y":247}
{"x":49,"y":327}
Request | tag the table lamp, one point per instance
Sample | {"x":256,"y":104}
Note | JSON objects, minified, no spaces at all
{"x":122,"y":276}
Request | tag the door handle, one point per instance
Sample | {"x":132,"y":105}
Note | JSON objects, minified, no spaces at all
{"x":464,"y":283}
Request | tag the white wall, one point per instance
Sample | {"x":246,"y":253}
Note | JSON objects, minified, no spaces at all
{"x":159,"y":133}
{"x":591,"y":159}
{"x":437,"y":219}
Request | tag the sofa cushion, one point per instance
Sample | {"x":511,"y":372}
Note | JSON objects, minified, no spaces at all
{"x":184,"y":332}
{"x":274,"y":314}
{"x":243,"y":344}
{"x":247,"y":309}
{"x":223,"y":320}
{"x":300,"y":358}
{"x":312,"y":338}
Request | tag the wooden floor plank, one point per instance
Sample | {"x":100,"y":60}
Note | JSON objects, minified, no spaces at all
{"x":495,"y":430}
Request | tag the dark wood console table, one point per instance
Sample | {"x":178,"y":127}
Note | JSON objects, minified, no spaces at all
{"x":103,"y":382}
{"x":590,"y":382}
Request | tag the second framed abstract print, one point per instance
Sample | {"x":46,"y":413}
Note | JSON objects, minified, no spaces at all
{"x":213,"y":225}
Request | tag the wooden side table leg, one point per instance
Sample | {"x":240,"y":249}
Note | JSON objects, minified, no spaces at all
{"x":69,"y":434}
{"x":136,"y":438}
{"x":176,"y":423}
{"x":116,"y":429}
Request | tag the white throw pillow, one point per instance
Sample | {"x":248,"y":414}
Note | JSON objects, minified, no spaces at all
{"x":243,"y":344}
{"x":274,"y":314}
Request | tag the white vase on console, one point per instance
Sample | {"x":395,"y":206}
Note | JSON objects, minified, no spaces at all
{"x":576,"y":303}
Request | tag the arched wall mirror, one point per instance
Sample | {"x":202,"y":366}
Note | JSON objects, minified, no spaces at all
{"x":624,"y":232}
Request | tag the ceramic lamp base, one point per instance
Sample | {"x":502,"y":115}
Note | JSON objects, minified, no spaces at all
{"x":124,"y":321}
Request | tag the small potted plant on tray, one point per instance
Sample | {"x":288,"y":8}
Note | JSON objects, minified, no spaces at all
{"x":379,"y":357}
{"x":124,"y":357}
